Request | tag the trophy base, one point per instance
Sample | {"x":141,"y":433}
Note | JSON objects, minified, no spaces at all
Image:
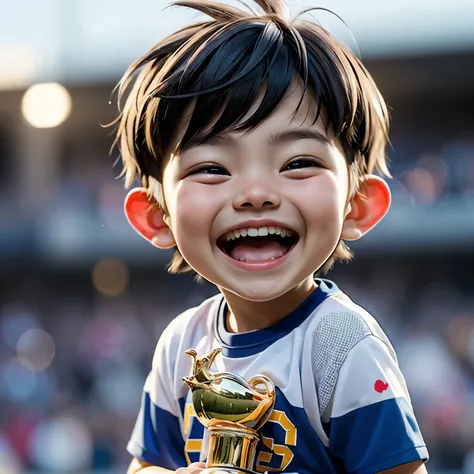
{"x":231,"y":448}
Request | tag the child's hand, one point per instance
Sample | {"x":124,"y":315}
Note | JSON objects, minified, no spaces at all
{"x":193,"y":468}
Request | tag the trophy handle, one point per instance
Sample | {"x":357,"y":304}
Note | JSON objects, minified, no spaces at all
{"x":265,"y":407}
{"x":269,"y":390}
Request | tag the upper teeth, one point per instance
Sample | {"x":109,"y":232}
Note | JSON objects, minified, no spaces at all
{"x":260,"y":232}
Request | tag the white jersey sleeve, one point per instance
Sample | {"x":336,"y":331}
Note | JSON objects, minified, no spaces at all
{"x":359,"y":404}
{"x":157,"y":436}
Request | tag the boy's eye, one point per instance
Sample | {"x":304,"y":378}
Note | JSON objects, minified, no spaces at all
{"x":301,"y":163}
{"x":211,"y":169}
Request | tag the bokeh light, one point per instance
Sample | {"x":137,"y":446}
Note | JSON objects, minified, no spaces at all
{"x":46,"y":105}
{"x":421,"y":185}
{"x":17,"y":383}
{"x":62,"y":445}
{"x":110,"y":277}
{"x":36,"y":349}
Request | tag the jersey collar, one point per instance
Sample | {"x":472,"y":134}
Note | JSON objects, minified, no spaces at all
{"x":253,"y":342}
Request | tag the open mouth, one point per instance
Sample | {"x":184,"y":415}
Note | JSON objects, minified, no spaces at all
{"x":257,"y":245}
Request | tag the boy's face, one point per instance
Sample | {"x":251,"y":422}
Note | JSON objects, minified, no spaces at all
{"x":287,"y":174}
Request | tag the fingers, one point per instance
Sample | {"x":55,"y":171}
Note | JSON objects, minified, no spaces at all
{"x":194,"y":468}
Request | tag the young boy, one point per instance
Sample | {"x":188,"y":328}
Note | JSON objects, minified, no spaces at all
{"x":255,"y":137}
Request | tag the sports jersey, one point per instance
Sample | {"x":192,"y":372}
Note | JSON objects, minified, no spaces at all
{"x":342,"y":404}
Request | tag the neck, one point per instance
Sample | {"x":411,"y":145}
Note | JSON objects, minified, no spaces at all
{"x":245,"y":315}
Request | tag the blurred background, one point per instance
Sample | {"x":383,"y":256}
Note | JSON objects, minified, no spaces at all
{"x":83,"y":299}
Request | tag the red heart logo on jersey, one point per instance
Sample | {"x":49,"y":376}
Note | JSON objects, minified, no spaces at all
{"x":380,"y":386}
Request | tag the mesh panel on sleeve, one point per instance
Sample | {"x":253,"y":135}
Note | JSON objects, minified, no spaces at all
{"x":335,"y":335}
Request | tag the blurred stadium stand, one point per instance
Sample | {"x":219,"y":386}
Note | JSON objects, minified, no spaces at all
{"x":83,"y":299}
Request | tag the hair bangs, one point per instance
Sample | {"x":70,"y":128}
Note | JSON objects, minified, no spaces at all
{"x":232,"y":82}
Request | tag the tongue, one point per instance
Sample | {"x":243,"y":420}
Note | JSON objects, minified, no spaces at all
{"x":258,"y":250}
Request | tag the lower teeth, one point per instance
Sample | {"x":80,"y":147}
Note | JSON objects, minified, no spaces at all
{"x":243,"y":260}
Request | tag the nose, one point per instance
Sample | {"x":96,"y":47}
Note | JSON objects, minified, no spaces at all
{"x":257,"y":193}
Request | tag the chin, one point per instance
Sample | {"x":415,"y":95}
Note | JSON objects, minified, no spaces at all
{"x":258,"y":292}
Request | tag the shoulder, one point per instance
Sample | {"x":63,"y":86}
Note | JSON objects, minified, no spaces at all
{"x":186,"y":328}
{"x":340,"y":325}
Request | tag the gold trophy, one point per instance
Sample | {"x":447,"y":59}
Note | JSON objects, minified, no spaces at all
{"x":233,"y":410}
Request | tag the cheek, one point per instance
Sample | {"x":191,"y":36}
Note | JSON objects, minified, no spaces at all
{"x":321,"y":202}
{"x":194,"y":207}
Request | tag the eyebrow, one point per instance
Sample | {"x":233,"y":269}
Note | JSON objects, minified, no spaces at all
{"x":286,"y":136}
{"x":299,"y":134}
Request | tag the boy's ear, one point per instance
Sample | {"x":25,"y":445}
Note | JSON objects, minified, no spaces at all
{"x":367,"y":208}
{"x":146,"y":217}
